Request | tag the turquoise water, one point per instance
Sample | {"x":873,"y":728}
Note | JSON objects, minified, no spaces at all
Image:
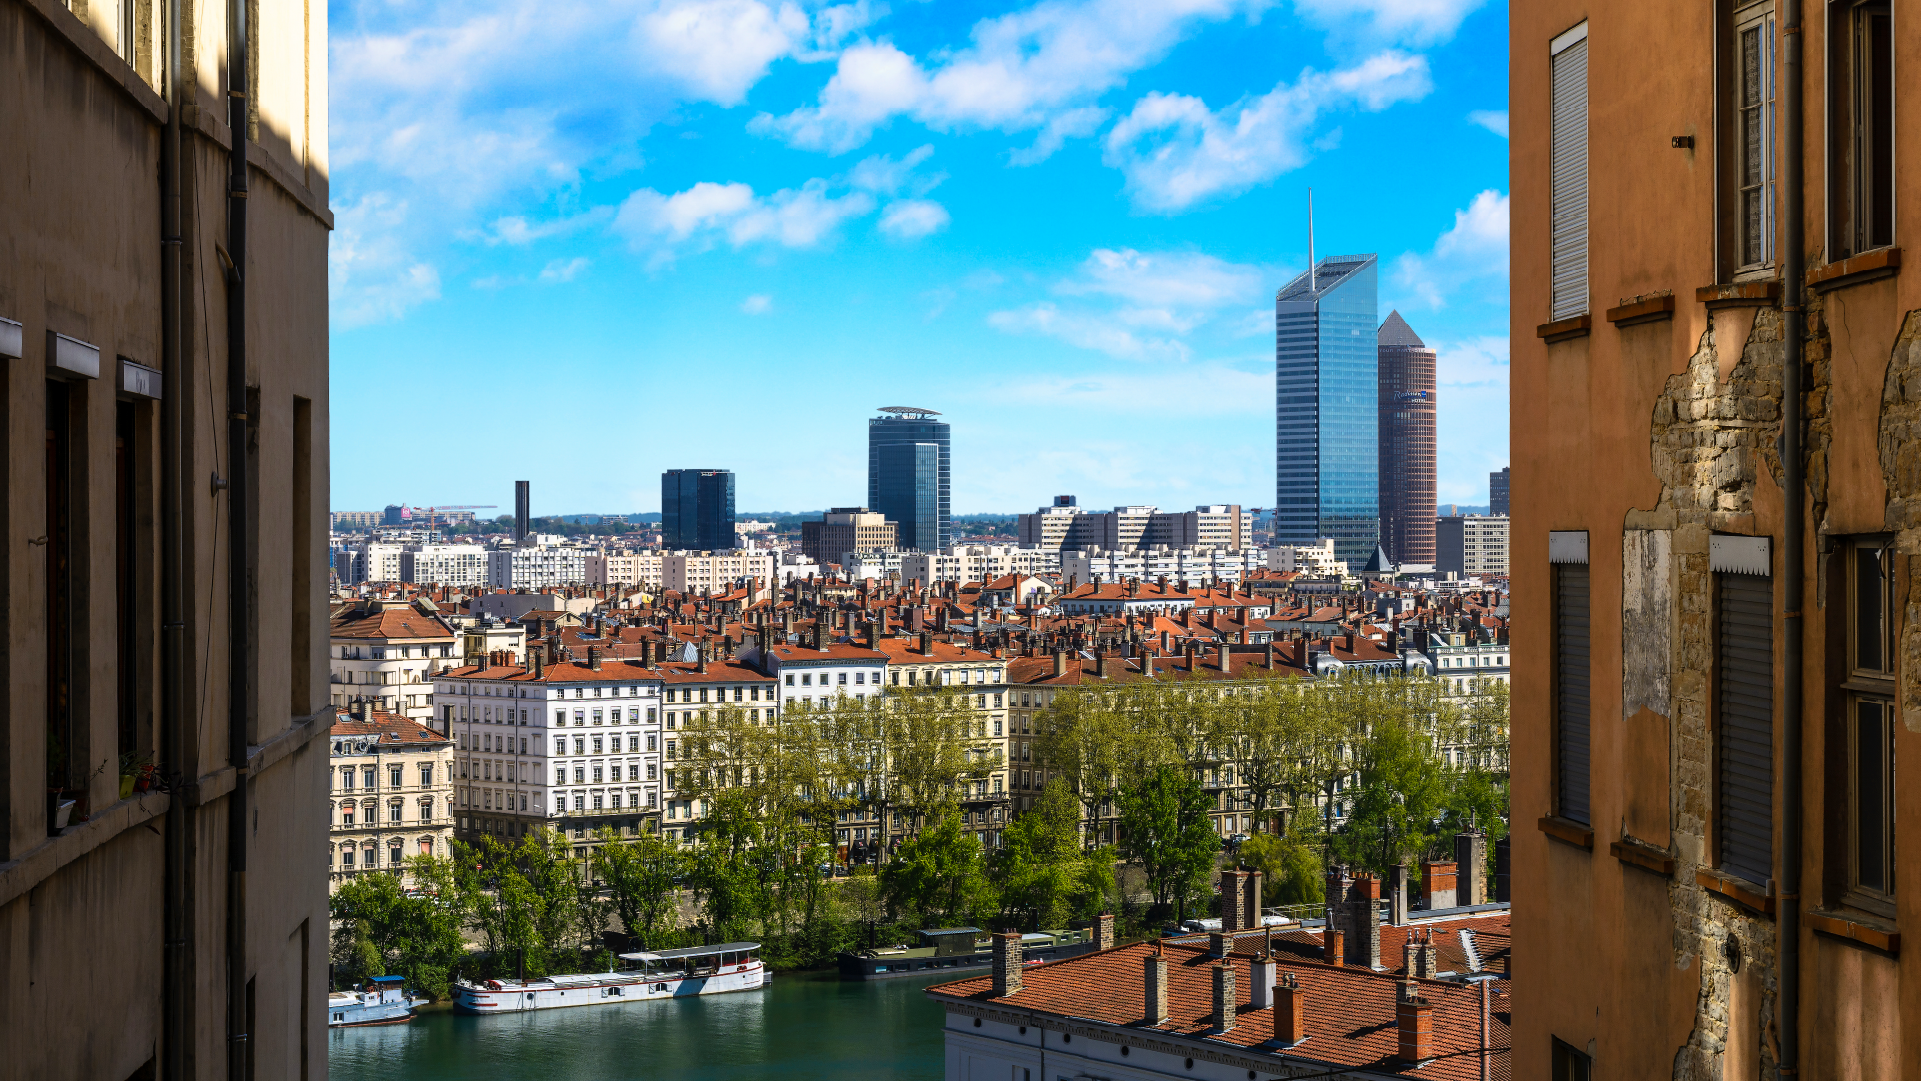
{"x":807,"y":1025}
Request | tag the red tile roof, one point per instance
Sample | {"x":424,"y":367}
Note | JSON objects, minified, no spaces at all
{"x":389,"y":623}
{"x":1350,"y":1010}
{"x":391,"y":729}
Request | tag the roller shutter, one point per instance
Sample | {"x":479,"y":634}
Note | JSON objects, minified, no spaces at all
{"x":1744,"y":722}
{"x":1568,"y":167}
{"x":1571,"y":688}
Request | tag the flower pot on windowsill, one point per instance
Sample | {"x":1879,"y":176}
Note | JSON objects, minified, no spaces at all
{"x":59,"y":811}
{"x":126,"y":785}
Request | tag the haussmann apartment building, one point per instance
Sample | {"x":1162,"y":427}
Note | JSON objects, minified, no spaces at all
{"x":163,"y":379}
{"x":1717,"y":470}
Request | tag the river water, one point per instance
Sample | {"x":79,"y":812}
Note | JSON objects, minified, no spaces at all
{"x":806,"y":1026}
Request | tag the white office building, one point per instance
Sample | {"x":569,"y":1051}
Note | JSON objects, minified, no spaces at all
{"x":1471,"y":544}
{"x":444,"y":564}
{"x":535,"y":567}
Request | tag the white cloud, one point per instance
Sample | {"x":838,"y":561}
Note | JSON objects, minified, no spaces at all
{"x":1474,"y":253}
{"x":1494,"y":120}
{"x":1087,"y":330}
{"x":911,"y":219}
{"x":1022,"y":69}
{"x":517,"y":229}
{"x":1472,"y":414}
{"x":758,"y":304}
{"x":1175,"y":152}
{"x":1415,"y":22}
{"x":717,"y":49}
{"x":563,"y":270}
{"x":1072,"y":124}
{"x":883,"y":175}
{"x":708,"y":212}
{"x":373,"y":277}
{"x":1166,"y":279}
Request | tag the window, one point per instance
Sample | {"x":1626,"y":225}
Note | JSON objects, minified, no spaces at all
{"x":790,"y":679}
{"x":1569,"y":1064}
{"x":367,"y":777}
{"x":1744,"y":725}
{"x":393,"y":777}
{"x":1871,"y":725}
{"x":347,"y":815}
{"x":1860,"y":127}
{"x":1570,"y":674}
{"x":1568,"y":165}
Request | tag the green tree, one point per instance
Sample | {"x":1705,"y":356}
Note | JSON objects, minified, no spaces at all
{"x":1041,"y":871}
{"x":937,"y":873}
{"x":1290,"y":865}
{"x":1164,"y":825}
{"x":642,"y":874}
{"x":382,"y":929}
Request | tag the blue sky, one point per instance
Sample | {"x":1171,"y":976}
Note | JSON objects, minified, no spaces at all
{"x":578,"y":244}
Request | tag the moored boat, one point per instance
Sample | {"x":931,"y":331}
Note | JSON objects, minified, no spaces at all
{"x":649,"y":974}
{"x":384,"y":1001}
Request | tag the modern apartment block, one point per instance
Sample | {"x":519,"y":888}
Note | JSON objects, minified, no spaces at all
{"x":1715,"y":491}
{"x":166,"y":505}
{"x":701,"y":572}
{"x":977,"y":563}
{"x":535,"y":566}
{"x":444,"y":564}
{"x":909,"y":475}
{"x":697,"y":509}
{"x":846,"y":529}
{"x":1407,"y":446}
{"x":385,"y":653}
{"x":1326,"y":392}
{"x":1471,"y":544}
{"x":1054,"y":526}
{"x":1065,"y":526}
{"x":1497,"y":491}
{"x":632,"y":568}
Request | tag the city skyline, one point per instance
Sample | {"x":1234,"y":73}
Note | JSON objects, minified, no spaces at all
{"x":1096,"y":310}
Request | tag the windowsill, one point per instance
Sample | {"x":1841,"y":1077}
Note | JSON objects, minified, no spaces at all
{"x":1648,"y":310}
{"x":1643,"y":855}
{"x":1739,"y":890}
{"x":1875,"y":905}
{"x":1855,"y":270}
{"x":42,"y":860}
{"x":1739,"y":294}
{"x":1567,"y":832}
{"x":1562,"y":330}
{"x":1870,"y":931}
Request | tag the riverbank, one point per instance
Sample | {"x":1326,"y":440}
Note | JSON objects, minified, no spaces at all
{"x":808,"y":1025}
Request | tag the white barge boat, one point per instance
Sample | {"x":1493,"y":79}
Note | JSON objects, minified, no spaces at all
{"x":656,"y":974}
{"x":383,"y":1002}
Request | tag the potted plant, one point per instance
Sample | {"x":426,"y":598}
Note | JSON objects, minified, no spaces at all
{"x":136,"y":773}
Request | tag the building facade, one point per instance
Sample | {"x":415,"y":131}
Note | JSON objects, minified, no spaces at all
{"x":444,"y":564}
{"x":909,"y":475}
{"x":1326,"y":387}
{"x":385,"y":653}
{"x":631,"y":568}
{"x":160,"y":627}
{"x":390,"y":795}
{"x":847,"y":529}
{"x":1407,"y":447}
{"x":538,"y":566}
{"x":697,"y":509}
{"x":1497,"y":502}
{"x":1713,"y":692}
{"x":718,"y":571}
{"x":1471,"y":544}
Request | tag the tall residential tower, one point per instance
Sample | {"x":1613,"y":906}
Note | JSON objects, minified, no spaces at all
{"x":1326,"y":453}
{"x":908,"y":475}
{"x":1407,"y":443}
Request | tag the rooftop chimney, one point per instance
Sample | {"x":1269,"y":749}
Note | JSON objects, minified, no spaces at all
{"x":1154,"y":975}
{"x":1224,"y":996}
{"x":593,"y":658}
{"x":1470,"y":858}
{"x":1260,"y":984}
{"x":1251,"y":900}
{"x":1437,"y":884}
{"x":1290,"y":1011}
{"x":1104,"y":931}
{"x":1414,"y":1017}
{"x":539,"y":668}
{"x":1333,"y":946}
{"x":1060,"y":662}
{"x":1397,"y":895}
{"x":1219,"y":944}
{"x":1232,"y":906}
{"x":1007,"y":963}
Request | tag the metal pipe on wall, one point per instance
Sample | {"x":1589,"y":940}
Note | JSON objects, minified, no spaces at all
{"x":239,"y":550}
{"x":175,"y":920}
{"x":1794,"y":504}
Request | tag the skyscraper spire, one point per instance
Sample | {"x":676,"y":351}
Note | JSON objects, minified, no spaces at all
{"x":1313,"y":286}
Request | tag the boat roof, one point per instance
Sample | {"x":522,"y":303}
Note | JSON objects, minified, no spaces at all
{"x":388,"y":979}
{"x":953,"y":931}
{"x":584,"y":979}
{"x":691,"y":951}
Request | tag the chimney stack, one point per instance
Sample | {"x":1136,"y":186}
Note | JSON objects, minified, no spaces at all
{"x":1060,"y":662}
{"x":1437,"y":884}
{"x":1251,"y":900}
{"x":1224,"y":996}
{"x":593,"y":658}
{"x":1104,"y":931}
{"x":1219,"y":944}
{"x":1290,"y":1011}
{"x":1414,"y":1017}
{"x":1397,"y":895}
{"x":1333,"y":946}
{"x":1154,"y":975}
{"x":539,"y":668}
{"x":1470,"y":858}
{"x":1260,"y":985}
{"x":1364,"y":916}
{"x":1007,"y":963}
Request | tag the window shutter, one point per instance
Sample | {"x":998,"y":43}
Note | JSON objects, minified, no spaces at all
{"x":1568,"y":165}
{"x":1744,"y":697}
{"x":1571,"y":688}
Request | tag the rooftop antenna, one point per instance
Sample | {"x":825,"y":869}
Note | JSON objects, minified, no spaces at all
{"x":1313,"y":282}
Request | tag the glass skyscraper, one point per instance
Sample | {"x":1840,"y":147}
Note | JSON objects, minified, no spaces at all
{"x":1326,"y":401}
{"x":908,"y":476}
{"x":697,"y":510}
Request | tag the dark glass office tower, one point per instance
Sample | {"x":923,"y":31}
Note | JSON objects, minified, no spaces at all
{"x":1407,"y":410}
{"x":1326,"y":391}
{"x":697,"y":510}
{"x":908,"y":475}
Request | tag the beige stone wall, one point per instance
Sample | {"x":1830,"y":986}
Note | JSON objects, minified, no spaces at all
{"x":81,"y":949}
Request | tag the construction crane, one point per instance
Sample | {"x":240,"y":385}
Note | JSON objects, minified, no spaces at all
{"x":433,"y":513}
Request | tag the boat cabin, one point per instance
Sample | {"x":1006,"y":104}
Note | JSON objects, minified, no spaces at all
{"x":952,"y":941}
{"x":693,"y":960}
